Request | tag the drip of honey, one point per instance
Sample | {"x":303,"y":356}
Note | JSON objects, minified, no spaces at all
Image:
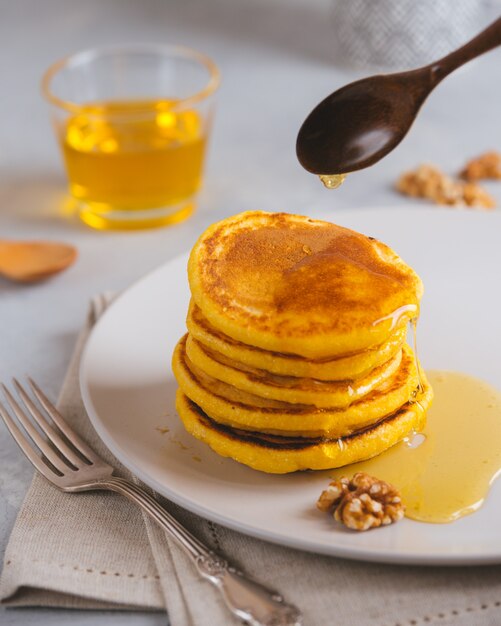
{"x":332,"y":181}
{"x":397,"y":315}
{"x":445,"y":472}
{"x":416,"y":360}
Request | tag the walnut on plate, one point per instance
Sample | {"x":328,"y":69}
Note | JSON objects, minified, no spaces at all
{"x":362,"y":502}
{"x":431,"y":183}
{"x":487,"y":165}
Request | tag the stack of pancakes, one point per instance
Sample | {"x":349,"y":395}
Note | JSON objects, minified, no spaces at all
{"x":296,"y":356}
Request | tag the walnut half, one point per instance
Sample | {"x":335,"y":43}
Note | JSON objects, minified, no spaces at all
{"x":363,"y":502}
{"x":487,"y":165}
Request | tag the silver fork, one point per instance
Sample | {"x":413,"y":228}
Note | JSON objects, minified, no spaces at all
{"x":69,"y":464}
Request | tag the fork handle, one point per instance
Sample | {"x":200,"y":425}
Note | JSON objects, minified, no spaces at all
{"x":246,"y":599}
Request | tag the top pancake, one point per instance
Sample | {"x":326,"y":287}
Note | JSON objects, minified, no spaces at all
{"x":291,"y":284}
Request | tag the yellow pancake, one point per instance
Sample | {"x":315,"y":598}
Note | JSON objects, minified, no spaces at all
{"x":319,"y":393}
{"x":280,"y":455}
{"x":341,"y":368}
{"x":239,"y":409}
{"x":290,"y":284}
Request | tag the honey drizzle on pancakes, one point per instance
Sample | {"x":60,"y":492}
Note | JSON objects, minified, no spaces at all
{"x":270,"y":280}
{"x":291,"y":285}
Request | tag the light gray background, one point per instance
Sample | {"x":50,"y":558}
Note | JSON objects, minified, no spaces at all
{"x":277,"y":62}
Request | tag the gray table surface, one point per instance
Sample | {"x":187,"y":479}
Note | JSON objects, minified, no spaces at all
{"x":277,"y":62}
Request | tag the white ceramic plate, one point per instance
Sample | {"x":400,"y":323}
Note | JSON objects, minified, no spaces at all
{"x":128,"y":390}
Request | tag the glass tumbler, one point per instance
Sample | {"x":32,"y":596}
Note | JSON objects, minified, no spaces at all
{"x":133,"y":124}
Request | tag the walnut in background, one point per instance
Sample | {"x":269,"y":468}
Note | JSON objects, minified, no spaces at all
{"x":486,"y":166}
{"x":427,"y":181}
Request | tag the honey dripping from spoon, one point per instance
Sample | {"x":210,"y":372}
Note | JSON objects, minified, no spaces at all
{"x":332,"y":181}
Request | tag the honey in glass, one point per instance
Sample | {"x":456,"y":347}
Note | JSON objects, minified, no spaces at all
{"x":132,"y":156}
{"x":133,"y":123}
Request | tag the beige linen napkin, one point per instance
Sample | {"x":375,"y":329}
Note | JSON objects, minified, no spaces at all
{"x":97,"y":551}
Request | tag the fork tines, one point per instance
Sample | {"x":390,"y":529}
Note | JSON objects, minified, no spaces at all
{"x":62,"y":450}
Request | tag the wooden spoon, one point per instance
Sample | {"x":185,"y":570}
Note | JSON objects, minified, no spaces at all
{"x":30,"y":261}
{"x":360,"y":123}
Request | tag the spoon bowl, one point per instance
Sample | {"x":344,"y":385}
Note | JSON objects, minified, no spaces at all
{"x":362,"y":122}
{"x":32,"y":261}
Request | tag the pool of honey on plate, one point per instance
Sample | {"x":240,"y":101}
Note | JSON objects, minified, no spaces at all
{"x":446,"y":471}
{"x":133,"y":156}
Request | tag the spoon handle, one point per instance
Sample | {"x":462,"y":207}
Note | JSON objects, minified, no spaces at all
{"x":483,"y":42}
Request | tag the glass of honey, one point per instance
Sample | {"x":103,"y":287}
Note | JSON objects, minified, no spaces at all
{"x":133,"y":125}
